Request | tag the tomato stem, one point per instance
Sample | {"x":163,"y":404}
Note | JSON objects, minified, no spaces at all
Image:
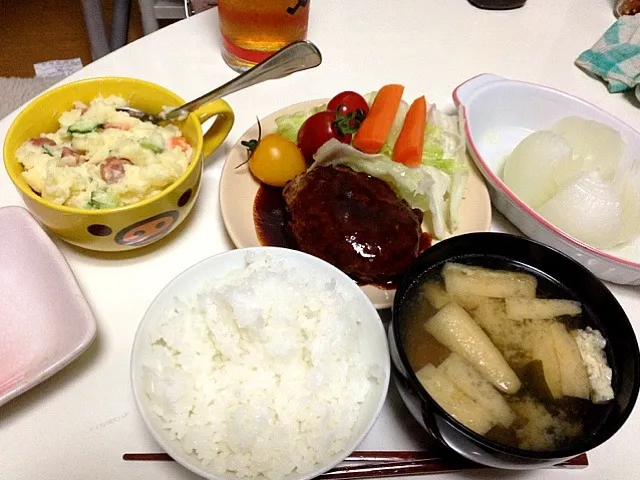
{"x":251,"y":144}
{"x":350,"y":122}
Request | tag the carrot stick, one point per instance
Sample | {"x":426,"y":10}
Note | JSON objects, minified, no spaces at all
{"x":408,"y":147}
{"x":373,"y":131}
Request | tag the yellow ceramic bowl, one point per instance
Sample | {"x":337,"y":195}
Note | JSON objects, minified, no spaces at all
{"x":135,"y":225}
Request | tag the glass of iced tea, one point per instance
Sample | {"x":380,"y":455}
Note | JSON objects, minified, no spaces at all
{"x":252,"y":30}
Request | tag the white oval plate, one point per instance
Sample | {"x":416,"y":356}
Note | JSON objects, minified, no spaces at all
{"x":238,"y":189}
{"x":499,"y":113}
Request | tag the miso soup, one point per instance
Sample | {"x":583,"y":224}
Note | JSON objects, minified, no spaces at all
{"x":509,"y":354}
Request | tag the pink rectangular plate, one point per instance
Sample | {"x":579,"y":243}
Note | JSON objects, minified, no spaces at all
{"x":46,"y":322}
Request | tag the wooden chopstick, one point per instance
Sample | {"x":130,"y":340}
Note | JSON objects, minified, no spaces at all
{"x":420,"y":467}
{"x":358,"y":456}
{"x":374,"y":464}
{"x":389,"y":456}
{"x":147,"y":457}
{"x":392,"y":469}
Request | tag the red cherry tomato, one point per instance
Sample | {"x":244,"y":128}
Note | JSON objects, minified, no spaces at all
{"x":348,"y":102}
{"x":316,"y":131}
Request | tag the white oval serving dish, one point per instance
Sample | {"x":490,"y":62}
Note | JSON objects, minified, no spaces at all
{"x":498,"y":114}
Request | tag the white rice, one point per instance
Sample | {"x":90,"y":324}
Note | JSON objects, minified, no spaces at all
{"x":261,"y":372}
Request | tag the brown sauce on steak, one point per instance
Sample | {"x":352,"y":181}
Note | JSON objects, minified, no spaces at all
{"x":352,"y":220}
{"x":270,"y":218}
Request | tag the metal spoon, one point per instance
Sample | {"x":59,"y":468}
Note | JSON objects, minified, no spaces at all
{"x":298,"y":56}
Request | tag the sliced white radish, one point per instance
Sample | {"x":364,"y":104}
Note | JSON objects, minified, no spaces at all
{"x":599,"y":146}
{"x":538,"y":166}
{"x":594,"y":211}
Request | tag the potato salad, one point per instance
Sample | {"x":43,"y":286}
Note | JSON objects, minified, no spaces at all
{"x":102,"y":158}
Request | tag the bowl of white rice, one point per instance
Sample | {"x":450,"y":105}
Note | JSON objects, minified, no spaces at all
{"x":261,"y":362}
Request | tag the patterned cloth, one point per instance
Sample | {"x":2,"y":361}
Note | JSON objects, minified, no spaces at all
{"x":616,"y":56}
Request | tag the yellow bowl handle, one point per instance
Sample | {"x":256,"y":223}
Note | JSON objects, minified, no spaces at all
{"x":221,"y":127}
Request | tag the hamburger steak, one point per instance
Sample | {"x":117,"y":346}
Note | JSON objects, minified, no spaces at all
{"x":353,"y":221}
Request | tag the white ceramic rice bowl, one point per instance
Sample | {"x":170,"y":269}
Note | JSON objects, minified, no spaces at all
{"x":374,"y":347}
{"x":499,"y":113}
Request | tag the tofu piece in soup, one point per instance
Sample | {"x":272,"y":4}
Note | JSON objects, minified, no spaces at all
{"x":453,"y":400}
{"x":467,"y":379}
{"x":462,"y":279}
{"x":455,"y":329}
{"x":591,"y":344}
{"x":518,"y":308}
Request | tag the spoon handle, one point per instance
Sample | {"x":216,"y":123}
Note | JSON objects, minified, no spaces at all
{"x":295,"y":57}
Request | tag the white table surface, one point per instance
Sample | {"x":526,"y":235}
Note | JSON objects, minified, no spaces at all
{"x":78,"y":424}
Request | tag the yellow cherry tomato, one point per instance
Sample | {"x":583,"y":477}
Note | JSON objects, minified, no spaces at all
{"x":276,"y":160}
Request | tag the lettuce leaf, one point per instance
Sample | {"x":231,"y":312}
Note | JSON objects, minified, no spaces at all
{"x":288,"y":125}
{"x":458,"y":179}
{"x":443,"y":142}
